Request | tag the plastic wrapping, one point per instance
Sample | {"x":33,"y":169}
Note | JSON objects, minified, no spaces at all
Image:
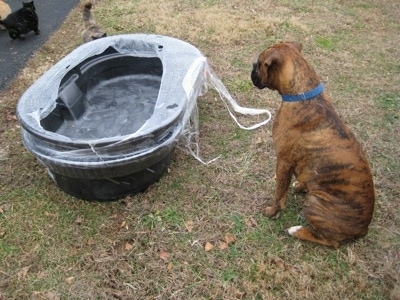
{"x":80,"y":135}
{"x":198,"y":85}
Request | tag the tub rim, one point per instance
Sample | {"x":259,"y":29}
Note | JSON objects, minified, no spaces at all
{"x":152,"y":46}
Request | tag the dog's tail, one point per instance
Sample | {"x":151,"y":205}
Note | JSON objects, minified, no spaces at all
{"x":88,"y":18}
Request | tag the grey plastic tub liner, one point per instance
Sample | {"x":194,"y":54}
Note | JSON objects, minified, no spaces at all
{"x":40,"y":99}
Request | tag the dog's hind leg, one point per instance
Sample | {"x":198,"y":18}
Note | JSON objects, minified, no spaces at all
{"x":307,"y":234}
{"x":325,"y":225}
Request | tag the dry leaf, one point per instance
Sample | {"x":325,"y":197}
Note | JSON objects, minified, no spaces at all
{"x":36,"y":295}
{"x":223,"y":245}
{"x":21,"y":274}
{"x":42,"y":275}
{"x":124,"y":225}
{"x":78,"y":221}
{"x":289,"y":268}
{"x":91,"y":242}
{"x":11,"y":117}
{"x":208,"y":246}
{"x":189,"y":225}
{"x":163,"y":255}
{"x":52,"y":296}
{"x":281,"y":264}
{"x":170,"y":266}
{"x":69,"y":279}
{"x":251,"y":222}
{"x":128,"y":247}
{"x":229,"y":238}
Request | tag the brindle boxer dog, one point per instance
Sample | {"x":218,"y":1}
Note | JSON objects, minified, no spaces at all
{"x":314,"y":145}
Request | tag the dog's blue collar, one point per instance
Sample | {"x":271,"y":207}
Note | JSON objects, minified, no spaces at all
{"x":304,"y":96}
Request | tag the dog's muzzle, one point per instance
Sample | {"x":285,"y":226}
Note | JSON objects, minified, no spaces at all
{"x":255,"y":78}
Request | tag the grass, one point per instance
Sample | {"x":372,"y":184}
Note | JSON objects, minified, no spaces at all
{"x":390,"y":104}
{"x":327,"y":43}
{"x":151,"y":245}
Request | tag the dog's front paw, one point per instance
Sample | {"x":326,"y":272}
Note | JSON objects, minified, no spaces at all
{"x":272,"y":212}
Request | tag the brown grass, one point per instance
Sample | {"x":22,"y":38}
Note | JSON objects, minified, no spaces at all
{"x":53,"y":246}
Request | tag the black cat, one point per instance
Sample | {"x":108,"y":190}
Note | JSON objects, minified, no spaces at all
{"x":22,"y":21}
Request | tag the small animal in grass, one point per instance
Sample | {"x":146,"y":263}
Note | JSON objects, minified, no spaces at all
{"x":92,"y":30}
{"x":22,"y":21}
{"x":5,"y":10}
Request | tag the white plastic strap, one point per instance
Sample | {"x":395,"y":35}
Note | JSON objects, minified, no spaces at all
{"x":225,"y":96}
{"x":217,"y":84}
{"x":189,"y":139}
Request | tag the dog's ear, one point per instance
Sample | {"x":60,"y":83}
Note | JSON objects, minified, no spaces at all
{"x":297,"y":46}
{"x":273,"y":58}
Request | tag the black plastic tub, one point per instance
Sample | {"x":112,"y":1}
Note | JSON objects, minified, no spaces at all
{"x":106,"y":119}
{"x":142,"y":174}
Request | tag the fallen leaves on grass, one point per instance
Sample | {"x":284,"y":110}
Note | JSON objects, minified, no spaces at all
{"x":124,"y":225}
{"x":222,"y":245}
{"x":69,"y":280}
{"x":280,"y":264}
{"x":251,"y":222}
{"x":11,"y":117}
{"x":208,"y":246}
{"x":163,"y":255}
{"x":128,"y":246}
{"x":45,"y":295}
{"x":21,"y":274}
{"x":229,"y":238}
{"x":79,"y":220}
{"x":189,"y":225}
{"x":123,"y":246}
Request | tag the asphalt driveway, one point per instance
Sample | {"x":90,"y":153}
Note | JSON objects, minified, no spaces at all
{"x":15,"y":53}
